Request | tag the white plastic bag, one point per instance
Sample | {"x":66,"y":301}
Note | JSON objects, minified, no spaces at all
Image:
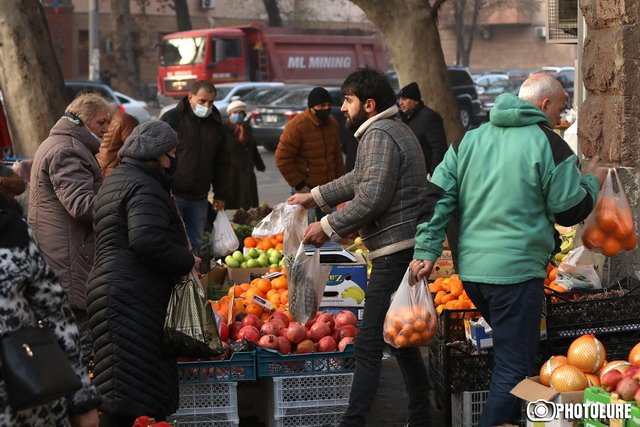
{"x":284,"y":218}
{"x":223,"y":239}
{"x":411,"y":318}
{"x":307,"y":279}
{"x":577,"y":273}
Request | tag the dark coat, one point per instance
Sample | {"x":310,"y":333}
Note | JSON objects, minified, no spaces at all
{"x":243,"y":159}
{"x":140,"y":251}
{"x":201,"y":153}
{"x":427,"y":125}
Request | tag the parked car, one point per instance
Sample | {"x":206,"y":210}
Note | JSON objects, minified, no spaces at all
{"x":227,"y":92}
{"x":74,"y":87}
{"x":464,"y":90}
{"x":488,"y":98}
{"x":136,"y":108}
{"x":484,"y":81}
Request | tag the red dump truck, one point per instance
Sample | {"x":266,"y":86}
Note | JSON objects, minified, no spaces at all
{"x":256,"y":53}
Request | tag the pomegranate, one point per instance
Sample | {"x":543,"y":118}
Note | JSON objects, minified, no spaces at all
{"x":280,"y":315}
{"x":278,"y":322}
{"x":306,"y":346}
{"x":284,"y":345}
{"x":283,"y":332}
{"x":234,"y":329}
{"x":269,"y":341}
{"x":343,"y":343}
{"x":328,"y":319}
{"x":251,"y":320}
{"x":308,"y":337}
{"x":327,"y":344}
{"x":345,"y":317}
{"x":250,"y":333}
{"x":270,"y":328}
{"x":296,"y":332}
{"x":224,"y":331}
{"x":609,"y":381}
{"x":348,"y":331}
{"x":627,"y":388}
{"x":311,"y":321}
{"x":319,"y":330}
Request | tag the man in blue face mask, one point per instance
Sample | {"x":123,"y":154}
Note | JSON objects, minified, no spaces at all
{"x":203,"y":160}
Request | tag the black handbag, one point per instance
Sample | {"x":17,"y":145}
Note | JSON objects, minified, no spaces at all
{"x":35,"y":368}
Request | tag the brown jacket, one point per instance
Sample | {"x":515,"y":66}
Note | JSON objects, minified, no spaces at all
{"x":309,"y":152}
{"x":120,"y":128}
{"x":65,"y":177}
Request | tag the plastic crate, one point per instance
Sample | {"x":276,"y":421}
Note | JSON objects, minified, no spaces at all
{"x":595,"y":316}
{"x":450,"y":325}
{"x":241,"y":367}
{"x":273,"y":364}
{"x":207,"y":403}
{"x":321,"y":416}
{"x":466,"y":407}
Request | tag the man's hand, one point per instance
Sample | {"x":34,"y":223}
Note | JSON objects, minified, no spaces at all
{"x":88,"y":419}
{"x":304,"y":199}
{"x":593,"y":168}
{"x":218,"y":205}
{"x":197,"y":263}
{"x":421,"y":268}
{"x":315,"y":235}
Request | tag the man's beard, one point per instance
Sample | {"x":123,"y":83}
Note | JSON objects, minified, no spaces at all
{"x":354,"y":123}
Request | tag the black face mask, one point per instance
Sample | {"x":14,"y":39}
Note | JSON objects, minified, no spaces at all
{"x":172,"y":166}
{"x":323,"y":114}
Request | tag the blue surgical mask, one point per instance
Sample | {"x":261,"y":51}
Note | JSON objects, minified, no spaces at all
{"x":201,"y":111}
{"x":236,"y":118}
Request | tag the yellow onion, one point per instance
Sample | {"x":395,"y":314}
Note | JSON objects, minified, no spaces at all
{"x":587,"y":354}
{"x":568,"y":378}
{"x":620,"y":365}
{"x":548,"y":367}
{"x":634,"y":355}
{"x":594,"y":381}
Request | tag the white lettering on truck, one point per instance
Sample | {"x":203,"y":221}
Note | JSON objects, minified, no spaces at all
{"x":320,"y":62}
{"x":296,"y":62}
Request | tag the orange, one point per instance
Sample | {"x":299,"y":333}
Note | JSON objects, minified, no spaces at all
{"x":439,"y":309}
{"x":262,"y":284}
{"x":456,"y":289}
{"x":245,"y":287}
{"x":254,"y":309}
{"x":284,"y":297}
{"x":265,"y":316}
{"x":464,"y":296}
{"x":447,"y":298}
{"x":265,"y":245}
{"x":438,"y":299}
{"x":273,"y":241}
{"x":407,"y":329}
{"x":435,"y":287}
{"x":401,"y":341}
{"x":420,"y":325}
{"x":250,"y":242}
{"x":279,"y":282}
{"x":279,"y":246}
{"x":595,"y":236}
{"x":553,"y":274}
{"x":630,"y":242}
{"x":274,"y":269}
{"x":415,"y":338}
{"x":625,"y":224}
{"x":611,"y":246}
{"x":280,"y":237}
{"x":272,"y":292}
{"x":238,"y":290}
{"x":391,"y":333}
{"x":607,"y":219}
{"x":274,"y":299}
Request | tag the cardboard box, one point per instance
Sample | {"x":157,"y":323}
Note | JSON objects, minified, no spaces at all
{"x":342,"y":277}
{"x":531,"y":391}
{"x":599,"y":396}
{"x":480,"y":339}
{"x":443,"y":267}
{"x":238,"y":276}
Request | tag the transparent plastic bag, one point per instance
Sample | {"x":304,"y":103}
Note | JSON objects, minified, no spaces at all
{"x":609,"y":229}
{"x":307,"y":278}
{"x":284,"y":218}
{"x":411,"y":318}
{"x":576,"y":273}
{"x":223,"y":239}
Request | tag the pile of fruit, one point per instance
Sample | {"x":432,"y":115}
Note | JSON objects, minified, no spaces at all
{"x":255,"y":258}
{"x":450,"y":295}
{"x":323,"y":333}
{"x":409,"y":328}
{"x":612,"y":228}
{"x":585,"y":366}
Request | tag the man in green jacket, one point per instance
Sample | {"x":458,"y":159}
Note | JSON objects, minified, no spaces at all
{"x":511,"y":180}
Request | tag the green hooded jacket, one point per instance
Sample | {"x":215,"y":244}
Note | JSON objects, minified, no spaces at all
{"x":510,"y":180}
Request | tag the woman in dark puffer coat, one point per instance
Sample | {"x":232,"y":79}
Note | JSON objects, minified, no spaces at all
{"x":141,"y":249}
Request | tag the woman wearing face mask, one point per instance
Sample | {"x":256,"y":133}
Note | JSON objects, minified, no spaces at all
{"x":65,"y":177}
{"x":141,"y":250}
{"x":243,"y":158}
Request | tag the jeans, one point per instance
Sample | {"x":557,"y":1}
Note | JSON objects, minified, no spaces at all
{"x":386,"y":275}
{"x":194,"y":215}
{"x":514,"y":312}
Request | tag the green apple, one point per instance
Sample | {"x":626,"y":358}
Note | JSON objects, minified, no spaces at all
{"x":253,"y":253}
{"x":244,"y":264}
{"x":237,"y":255}
{"x":281,"y":263}
{"x":233,"y":263}
{"x":263,"y":260}
{"x":276,"y":254}
{"x":227,"y":258}
{"x":270,"y":251}
{"x":273,"y":260}
{"x":252,"y":263}
{"x":274,"y":265}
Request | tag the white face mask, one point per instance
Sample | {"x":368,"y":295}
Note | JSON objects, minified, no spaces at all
{"x":201,"y":111}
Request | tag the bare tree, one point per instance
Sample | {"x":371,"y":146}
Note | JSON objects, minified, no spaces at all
{"x":273,"y":12}
{"x":182,"y":15}
{"x":30,"y":77}
{"x":410,"y":29}
{"x":125,"y":58}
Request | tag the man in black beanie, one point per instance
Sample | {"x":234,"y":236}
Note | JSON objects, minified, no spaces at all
{"x":309,"y":152}
{"x":425,"y":123}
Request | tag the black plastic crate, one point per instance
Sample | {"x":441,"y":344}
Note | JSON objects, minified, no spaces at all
{"x":450,"y":325}
{"x":616,"y":344}
{"x":592,"y":315}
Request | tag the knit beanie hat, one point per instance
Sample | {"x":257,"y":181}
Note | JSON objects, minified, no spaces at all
{"x":411,"y":91}
{"x":317,"y":96}
{"x":236,"y":106}
{"x":148,"y":141}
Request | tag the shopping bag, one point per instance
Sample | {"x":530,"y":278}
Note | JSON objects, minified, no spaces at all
{"x":609,"y":229}
{"x":576,"y":272}
{"x":307,"y":278}
{"x":284,"y":218}
{"x":223,"y":239}
{"x":190,"y":328}
{"x":411,"y":318}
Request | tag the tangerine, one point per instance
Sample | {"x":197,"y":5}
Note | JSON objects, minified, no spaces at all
{"x":630,"y":242}
{"x":438,"y":299}
{"x":391,"y":334}
{"x":401,"y":341}
{"x":265,"y":245}
{"x":611,"y":246}
{"x":596,"y":236}
{"x":280,"y":237}
{"x":250,"y":242}
{"x":284,"y":297}
{"x":420,"y":325}
{"x":607,"y":219}
{"x":274,"y":299}
{"x":264,"y":285}
{"x":625,"y":224}
{"x":254,"y":309}
{"x":279,"y":282}
{"x":435,"y":287}
{"x":415,"y":338}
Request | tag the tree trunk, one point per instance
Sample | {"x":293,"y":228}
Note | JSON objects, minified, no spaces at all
{"x":466,"y":57}
{"x":273,"y":12}
{"x":182,"y":15}
{"x":414,"y":44}
{"x":30,"y":77}
{"x":459,"y":7}
{"x":126,"y":60}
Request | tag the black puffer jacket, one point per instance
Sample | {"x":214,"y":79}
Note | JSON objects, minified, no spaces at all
{"x":140,"y":250}
{"x":428,"y":127}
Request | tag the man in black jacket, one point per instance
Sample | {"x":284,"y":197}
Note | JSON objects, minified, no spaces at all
{"x":201,"y":157}
{"x":425,"y":123}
